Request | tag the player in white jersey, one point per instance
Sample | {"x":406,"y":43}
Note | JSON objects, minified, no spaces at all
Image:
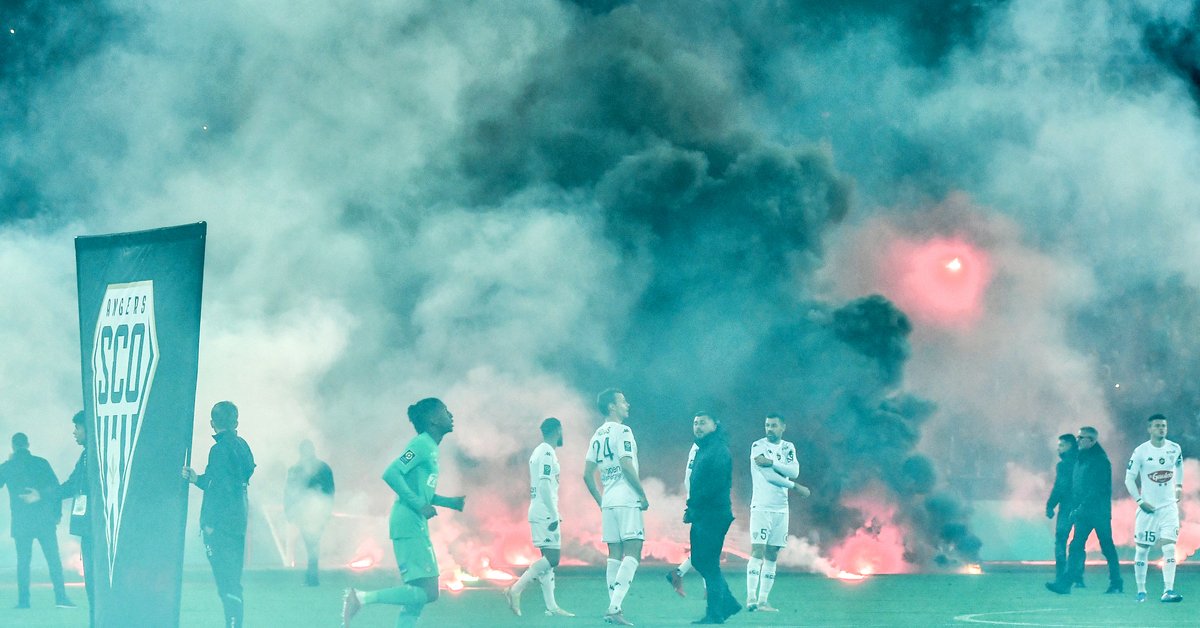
{"x":544,"y":520}
{"x":675,"y":576}
{"x":613,"y":452}
{"x":773,"y":467}
{"x":1154,"y":478}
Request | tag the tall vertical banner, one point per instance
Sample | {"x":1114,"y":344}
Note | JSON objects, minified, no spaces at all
{"x":139,"y":341}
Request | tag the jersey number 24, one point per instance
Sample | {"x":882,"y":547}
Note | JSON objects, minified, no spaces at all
{"x":596,"y":455}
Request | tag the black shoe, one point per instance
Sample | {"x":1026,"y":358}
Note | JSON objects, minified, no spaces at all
{"x":731,"y":609}
{"x":1059,"y":588}
{"x":1115,"y":587}
{"x":708,"y":619}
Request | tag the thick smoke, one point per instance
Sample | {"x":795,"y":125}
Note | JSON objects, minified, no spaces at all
{"x":514,"y":205}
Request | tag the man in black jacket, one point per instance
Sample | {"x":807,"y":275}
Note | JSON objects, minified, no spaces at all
{"x":27,"y":476}
{"x":710,"y":513}
{"x":1091,"y":496}
{"x":223,"y":512}
{"x":308,"y":504}
{"x":1060,"y":495}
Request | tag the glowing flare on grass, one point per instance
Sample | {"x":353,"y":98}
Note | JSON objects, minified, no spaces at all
{"x":877,"y":546}
{"x":365,"y":562}
{"x":973,"y":569}
{"x":495,"y":575}
{"x":850,"y":577}
{"x":367,"y":555}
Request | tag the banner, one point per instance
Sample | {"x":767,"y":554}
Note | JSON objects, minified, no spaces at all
{"x":139,"y":341}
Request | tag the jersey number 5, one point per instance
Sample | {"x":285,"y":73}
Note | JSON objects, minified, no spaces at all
{"x":596,"y":451}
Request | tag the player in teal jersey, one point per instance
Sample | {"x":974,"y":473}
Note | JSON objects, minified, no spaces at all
{"x":413,"y":476}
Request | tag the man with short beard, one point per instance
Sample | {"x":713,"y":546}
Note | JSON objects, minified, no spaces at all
{"x":710,"y":513}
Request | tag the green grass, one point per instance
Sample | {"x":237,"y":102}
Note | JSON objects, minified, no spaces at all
{"x":275,"y":598}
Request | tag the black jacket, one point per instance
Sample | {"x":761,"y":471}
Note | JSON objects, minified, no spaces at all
{"x":230,"y":465}
{"x":1060,"y":495}
{"x":712,"y":480}
{"x":1091,"y":483}
{"x":24,"y":471}
{"x":74,"y":488}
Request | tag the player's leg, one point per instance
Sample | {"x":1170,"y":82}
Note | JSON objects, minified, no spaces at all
{"x":754,"y":569}
{"x":418,"y":582}
{"x":610,"y":533}
{"x":1144,"y":538}
{"x":675,"y":576}
{"x":551,"y":555}
{"x":770,"y":556}
{"x":632,"y":534}
{"x":226,"y":565}
{"x":538,"y":531}
{"x":1168,"y":531}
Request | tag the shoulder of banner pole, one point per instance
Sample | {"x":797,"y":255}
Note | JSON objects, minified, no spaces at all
{"x":192,"y":231}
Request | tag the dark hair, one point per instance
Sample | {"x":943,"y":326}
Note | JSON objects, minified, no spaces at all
{"x":1156,"y":417}
{"x":20,"y":441}
{"x":420,"y":412}
{"x":1069,"y":439}
{"x":550,"y":426}
{"x":78,"y":418}
{"x":224,"y":415}
{"x":1090,"y":430}
{"x":774,"y":415}
{"x":709,"y":415}
{"x":606,"y":399}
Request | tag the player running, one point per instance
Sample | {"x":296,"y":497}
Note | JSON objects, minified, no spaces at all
{"x":544,"y":521}
{"x":613,"y":452}
{"x":1157,"y":466}
{"x":773,"y":467}
{"x":413,"y":476}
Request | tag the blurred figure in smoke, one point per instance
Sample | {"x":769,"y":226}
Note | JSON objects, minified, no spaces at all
{"x":710,"y":512}
{"x":413,"y":477}
{"x":544,"y":520}
{"x":225,"y":509}
{"x":308,"y":504}
{"x":1091,"y":498}
{"x":1154,"y":477}
{"x":75,"y":488}
{"x":27,"y":476}
{"x":1060,"y":495}
{"x":613,"y":452}
{"x":675,"y":576}
{"x":773,"y":467}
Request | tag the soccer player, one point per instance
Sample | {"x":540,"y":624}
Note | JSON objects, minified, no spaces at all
{"x":544,"y":520}
{"x":613,"y":452}
{"x":1091,"y":497}
{"x":675,"y":576}
{"x":223,"y":512}
{"x":413,"y":477}
{"x":710,"y":512}
{"x":1154,"y":477}
{"x":308,"y":504}
{"x":773,"y":467}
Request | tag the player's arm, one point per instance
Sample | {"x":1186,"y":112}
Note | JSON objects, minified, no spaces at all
{"x":789,"y":468}
{"x":1179,"y":477}
{"x":395,"y":474}
{"x":1132,"y":471}
{"x":453,"y":503}
{"x":631,"y":476}
{"x":589,"y":478}
{"x":544,"y":487}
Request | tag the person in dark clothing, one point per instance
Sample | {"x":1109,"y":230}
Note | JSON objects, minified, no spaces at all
{"x":308,"y":504}
{"x":710,"y":513}
{"x":27,"y":476}
{"x":1060,"y":496}
{"x":1091,"y":498}
{"x":223,"y":512}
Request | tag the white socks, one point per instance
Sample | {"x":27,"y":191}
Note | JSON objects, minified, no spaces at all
{"x":539,"y":567}
{"x":547,"y":581}
{"x":768,"y":581}
{"x":753,"y":572}
{"x":621,"y":583}
{"x":1169,"y":567}
{"x":1140,"y":554}
{"x":613,"y":566}
{"x":684,"y":567}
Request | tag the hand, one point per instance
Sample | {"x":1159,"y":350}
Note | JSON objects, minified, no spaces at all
{"x":189,"y":475}
{"x":1146,"y":507}
{"x":1050,"y":513}
{"x":802,"y":490}
{"x":644,"y":503}
{"x":553,"y":526}
{"x":763,"y":461}
{"x":456,"y":503}
{"x":30,"y":496}
{"x":429,"y":512}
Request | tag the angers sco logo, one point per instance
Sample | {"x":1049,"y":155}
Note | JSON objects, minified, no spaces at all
{"x":124,"y":359}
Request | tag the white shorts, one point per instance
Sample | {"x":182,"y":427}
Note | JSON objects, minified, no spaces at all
{"x":768,"y":528}
{"x":1160,"y":525}
{"x":621,"y":523}
{"x":543,"y":536}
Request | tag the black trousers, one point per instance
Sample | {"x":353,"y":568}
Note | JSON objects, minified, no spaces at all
{"x":48,"y":539}
{"x":1085,"y":524}
{"x":85,"y":549}
{"x":312,"y":546}
{"x":1062,"y":531}
{"x":708,"y":538}
{"x":227,"y":555}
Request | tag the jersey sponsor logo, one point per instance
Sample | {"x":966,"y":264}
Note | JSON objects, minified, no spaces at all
{"x":546,"y":469}
{"x":1161,"y":477}
{"x":408,"y":456}
{"x":124,"y":361}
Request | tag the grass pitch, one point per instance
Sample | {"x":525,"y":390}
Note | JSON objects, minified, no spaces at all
{"x":1012,"y":598}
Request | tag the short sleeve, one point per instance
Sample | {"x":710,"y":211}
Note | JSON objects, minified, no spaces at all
{"x":627,"y":447}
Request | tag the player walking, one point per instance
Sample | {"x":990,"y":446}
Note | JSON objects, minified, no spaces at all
{"x":1156,"y":466}
{"x":544,"y":520}
{"x":773,"y":467}
{"x":413,"y":477}
{"x":675,"y":576}
{"x":613,"y":452}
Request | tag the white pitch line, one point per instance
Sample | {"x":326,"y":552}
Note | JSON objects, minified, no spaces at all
{"x":976,"y":618}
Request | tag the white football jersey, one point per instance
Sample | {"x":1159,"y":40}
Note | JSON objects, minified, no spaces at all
{"x":771,"y":483}
{"x":543,"y":467}
{"x":1160,"y":470}
{"x":687,"y":474}
{"x":611,"y":442}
